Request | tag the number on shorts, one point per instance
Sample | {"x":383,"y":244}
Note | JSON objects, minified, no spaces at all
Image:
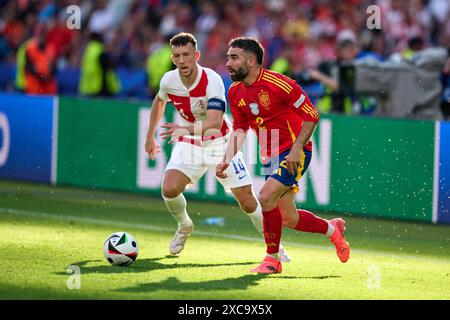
{"x":239,"y":167}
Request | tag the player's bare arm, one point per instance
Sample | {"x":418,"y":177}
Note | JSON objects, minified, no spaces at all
{"x":293,"y":158}
{"x":156,"y":113}
{"x":210,"y":126}
{"x":237,"y":139}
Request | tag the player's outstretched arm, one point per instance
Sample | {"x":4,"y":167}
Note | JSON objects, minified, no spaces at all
{"x":237,"y":139}
{"x":156,"y":113}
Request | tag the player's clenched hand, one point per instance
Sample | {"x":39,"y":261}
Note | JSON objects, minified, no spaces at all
{"x":293,"y":161}
{"x":173,"y":131}
{"x":220,"y":170}
{"x":152,"y":147}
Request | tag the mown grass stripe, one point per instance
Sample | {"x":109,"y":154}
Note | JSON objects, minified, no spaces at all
{"x":146,"y":226}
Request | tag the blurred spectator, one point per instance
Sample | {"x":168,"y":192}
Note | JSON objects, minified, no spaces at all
{"x":39,"y":64}
{"x":205,"y":23}
{"x":14,"y":30}
{"x":283,"y":63}
{"x":372,"y":46}
{"x":98,"y":77}
{"x":439,"y":9}
{"x":158,"y":63}
{"x":102,"y":19}
{"x":21,"y":59}
{"x":297,"y":34}
{"x":445,"y":103}
{"x":176,"y":18}
{"x":415,"y":44}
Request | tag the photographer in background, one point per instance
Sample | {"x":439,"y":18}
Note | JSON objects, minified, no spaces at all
{"x":338,"y":77}
{"x":445,"y":78}
{"x":337,"y":99}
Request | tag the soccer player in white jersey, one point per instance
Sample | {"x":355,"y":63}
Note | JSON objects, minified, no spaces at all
{"x":198,"y":94}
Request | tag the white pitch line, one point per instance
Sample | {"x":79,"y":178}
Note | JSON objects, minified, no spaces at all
{"x":150,"y":227}
{"x":54,"y":140}
{"x":437,"y":142}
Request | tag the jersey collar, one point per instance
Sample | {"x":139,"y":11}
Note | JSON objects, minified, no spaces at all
{"x":261,"y":72}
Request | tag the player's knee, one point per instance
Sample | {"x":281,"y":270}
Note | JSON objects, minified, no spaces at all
{"x":170,"y":191}
{"x":248,"y":204}
{"x":246,"y":198}
{"x":266,"y":200}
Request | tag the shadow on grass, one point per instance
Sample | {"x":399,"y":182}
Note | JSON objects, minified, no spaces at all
{"x":173,"y":284}
{"x":239,"y":283}
{"x":313,"y":278}
{"x":145,"y":265}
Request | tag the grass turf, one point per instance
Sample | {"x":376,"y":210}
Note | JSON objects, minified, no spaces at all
{"x":44,"y":229}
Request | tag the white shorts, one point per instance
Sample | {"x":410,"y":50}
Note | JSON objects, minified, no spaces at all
{"x":194,"y":160}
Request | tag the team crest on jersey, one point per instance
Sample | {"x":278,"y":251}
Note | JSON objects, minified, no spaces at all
{"x":254,"y":108}
{"x":264,"y":98}
{"x":203,"y":104}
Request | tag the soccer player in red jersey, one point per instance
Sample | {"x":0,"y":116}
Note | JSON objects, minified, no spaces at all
{"x":284,"y":119}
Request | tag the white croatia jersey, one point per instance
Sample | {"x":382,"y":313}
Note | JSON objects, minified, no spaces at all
{"x":207,"y":92}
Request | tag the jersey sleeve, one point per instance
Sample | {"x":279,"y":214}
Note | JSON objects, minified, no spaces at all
{"x":240,"y":121}
{"x":215,"y":93}
{"x":299,"y":101}
{"x":162,"y":93}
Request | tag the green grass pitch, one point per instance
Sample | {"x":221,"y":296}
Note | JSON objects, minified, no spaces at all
{"x":45,"y":229}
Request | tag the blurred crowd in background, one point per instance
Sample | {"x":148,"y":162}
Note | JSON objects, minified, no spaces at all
{"x":299,"y":36}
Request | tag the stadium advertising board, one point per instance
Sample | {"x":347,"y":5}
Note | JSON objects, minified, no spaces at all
{"x":378,"y":167}
{"x":97,"y":143}
{"x":360,"y":165}
{"x":366,"y":166}
{"x":26,"y":126}
{"x":443,"y":206}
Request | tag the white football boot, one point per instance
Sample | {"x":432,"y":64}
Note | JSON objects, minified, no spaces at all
{"x":284,"y":257}
{"x":179,"y":239}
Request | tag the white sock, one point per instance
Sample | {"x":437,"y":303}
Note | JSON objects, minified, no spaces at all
{"x":177,"y":208}
{"x":257,"y":218}
{"x":330,"y":229}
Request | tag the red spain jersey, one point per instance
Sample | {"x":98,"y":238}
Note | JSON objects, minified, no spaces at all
{"x":274,"y":106}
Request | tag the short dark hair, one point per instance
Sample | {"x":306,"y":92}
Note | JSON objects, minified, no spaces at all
{"x":182,"y":39}
{"x":415,"y":42}
{"x":249,"y":44}
{"x":346,"y":43}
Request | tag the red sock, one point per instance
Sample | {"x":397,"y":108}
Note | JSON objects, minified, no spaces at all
{"x":307,"y":222}
{"x":273,"y":224}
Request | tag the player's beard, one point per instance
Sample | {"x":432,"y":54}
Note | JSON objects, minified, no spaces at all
{"x":239,"y":74}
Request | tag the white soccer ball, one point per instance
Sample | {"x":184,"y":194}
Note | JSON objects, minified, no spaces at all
{"x":120,"y":249}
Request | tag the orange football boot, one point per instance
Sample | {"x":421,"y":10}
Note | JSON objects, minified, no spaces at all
{"x":337,"y":238}
{"x":269,"y":265}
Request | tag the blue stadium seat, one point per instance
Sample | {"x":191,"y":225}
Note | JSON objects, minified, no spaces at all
{"x":68,"y":81}
{"x":7,"y":75}
{"x":133,"y":83}
{"x":314,"y":91}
